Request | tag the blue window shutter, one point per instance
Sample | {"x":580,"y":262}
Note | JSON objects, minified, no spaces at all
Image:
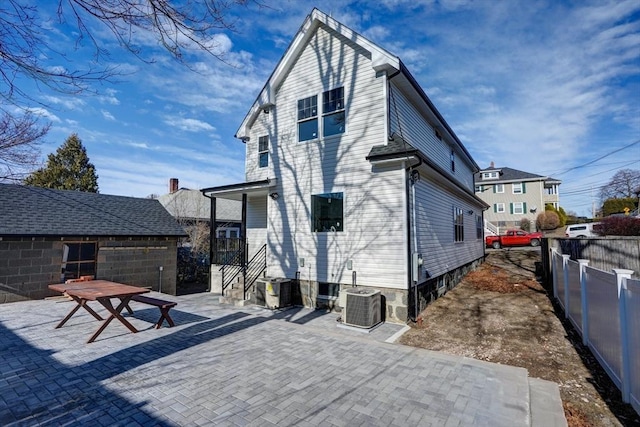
{"x":494,"y":188}
{"x":495,"y":207}
{"x":511,"y":207}
{"x":524,"y":188}
{"x":524,"y":204}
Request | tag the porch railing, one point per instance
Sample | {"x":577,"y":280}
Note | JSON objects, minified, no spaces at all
{"x":249,"y":271}
{"x":255,"y":267}
{"x":233,"y":267}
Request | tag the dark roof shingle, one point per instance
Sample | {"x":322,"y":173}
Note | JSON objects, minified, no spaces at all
{"x":35,"y":211}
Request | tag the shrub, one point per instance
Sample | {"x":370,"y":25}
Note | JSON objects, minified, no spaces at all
{"x":619,"y":226}
{"x":525,"y":224}
{"x":548,"y":220}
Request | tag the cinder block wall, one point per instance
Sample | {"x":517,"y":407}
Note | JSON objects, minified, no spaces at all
{"x":138,"y":262}
{"x":28,"y":265}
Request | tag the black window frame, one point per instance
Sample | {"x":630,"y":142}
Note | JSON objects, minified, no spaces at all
{"x":325,"y":218}
{"x":458,"y":224}
{"x":307,"y":118}
{"x":333,"y":109}
{"x":263,"y":151}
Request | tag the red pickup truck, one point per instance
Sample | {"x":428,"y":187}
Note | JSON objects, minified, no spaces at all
{"x":513,"y":238}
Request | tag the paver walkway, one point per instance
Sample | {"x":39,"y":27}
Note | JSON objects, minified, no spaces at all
{"x":235,"y":366}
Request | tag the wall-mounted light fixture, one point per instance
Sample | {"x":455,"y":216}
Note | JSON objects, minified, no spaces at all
{"x":274,"y":196}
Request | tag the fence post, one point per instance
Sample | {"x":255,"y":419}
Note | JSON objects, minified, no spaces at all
{"x":554,"y":274}
{"x":565,"y":275}
{"x":621,"y":279}
{"x":583,"y":299}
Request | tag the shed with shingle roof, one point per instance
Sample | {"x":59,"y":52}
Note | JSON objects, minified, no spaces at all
{"x":48,"y":235}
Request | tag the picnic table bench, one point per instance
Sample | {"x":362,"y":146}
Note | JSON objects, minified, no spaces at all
{"x":163,"y":305}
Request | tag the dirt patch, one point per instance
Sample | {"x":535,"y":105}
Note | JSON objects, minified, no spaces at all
{"x":502,"y":314}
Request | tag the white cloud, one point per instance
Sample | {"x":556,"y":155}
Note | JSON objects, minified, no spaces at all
{"x":68,"y":102}
{"x":189,"y":125}
{"x":45,"y":114}
{"x":107,"y":115}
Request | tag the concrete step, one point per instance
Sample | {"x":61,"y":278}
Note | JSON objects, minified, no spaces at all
{"x":546,"y":404}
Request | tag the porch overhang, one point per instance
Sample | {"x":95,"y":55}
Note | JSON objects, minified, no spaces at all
{"x":235,"y":191}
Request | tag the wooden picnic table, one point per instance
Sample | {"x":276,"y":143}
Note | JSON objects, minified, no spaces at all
{"x":102,"y":291}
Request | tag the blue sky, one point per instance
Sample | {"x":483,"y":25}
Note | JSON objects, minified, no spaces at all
{"x":542,"y":86}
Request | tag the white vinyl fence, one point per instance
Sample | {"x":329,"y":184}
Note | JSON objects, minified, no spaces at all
{"x":605,"y":309}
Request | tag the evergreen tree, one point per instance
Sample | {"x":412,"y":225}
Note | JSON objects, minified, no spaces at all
{"x":68,"y":169}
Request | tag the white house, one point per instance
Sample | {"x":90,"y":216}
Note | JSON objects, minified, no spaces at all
{"x":354,"y":178}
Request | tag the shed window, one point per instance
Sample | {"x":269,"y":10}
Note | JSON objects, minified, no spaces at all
{"x":79,"y":259}
{"x":327,"y":212}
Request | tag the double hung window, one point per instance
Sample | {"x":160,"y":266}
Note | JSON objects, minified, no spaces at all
{"x":458,"y":224}
{"x":308,"y":118}
{"x":333,"y":115}
{"x":263,"y":151}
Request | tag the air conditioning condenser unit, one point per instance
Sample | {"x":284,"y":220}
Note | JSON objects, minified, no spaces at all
{"x":361,"y":307}
{"x":277,"y":292}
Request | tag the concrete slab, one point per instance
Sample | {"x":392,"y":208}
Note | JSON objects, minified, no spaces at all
{"x":225,"y":365}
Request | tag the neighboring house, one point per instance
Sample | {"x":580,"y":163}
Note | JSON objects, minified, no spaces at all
{"x":48,"y":236}
{"x":191,"y":207}
{"x":354,"y":177}
{"x":513,"y":195}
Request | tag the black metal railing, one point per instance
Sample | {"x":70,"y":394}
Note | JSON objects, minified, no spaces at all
{"x":255,"y":267}
{"x":249,"y":271}
{"x":233,"y":268}
{"x":226,"y":249}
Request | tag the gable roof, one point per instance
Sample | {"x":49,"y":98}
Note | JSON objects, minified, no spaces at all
{"x":35,"y":211}
{"x":509,"y":174}
{"x":381,"y":60}
{"x":192,"y":204}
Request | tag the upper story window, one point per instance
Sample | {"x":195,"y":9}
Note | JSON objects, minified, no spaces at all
{"x":308,"y":118}
{"x":498,"y":188}
{"x":518,"y":208}
{"x":490,"y":175}
{"x":518,"y":187}
{"x":458,"y":224}
{"x":333,"y":116}
{"x":263,"y":151}
{"x":453,"y":161}
{"x":498,"y":208}
{"x":479,"y":188}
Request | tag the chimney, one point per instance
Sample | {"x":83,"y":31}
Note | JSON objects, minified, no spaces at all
{"x":492,"y":167}
{"x":173,"y":185}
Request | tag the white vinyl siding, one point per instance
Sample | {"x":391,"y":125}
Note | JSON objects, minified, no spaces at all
{"x":372,"y":195}
{"x":256,"y":223}
{"x":435,"y":224}
{"x":420,"y":134}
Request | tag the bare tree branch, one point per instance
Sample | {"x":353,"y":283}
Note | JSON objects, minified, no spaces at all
{"x":20,"y":138}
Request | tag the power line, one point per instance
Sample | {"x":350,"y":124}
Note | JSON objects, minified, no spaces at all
{"x":599,"y":158}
